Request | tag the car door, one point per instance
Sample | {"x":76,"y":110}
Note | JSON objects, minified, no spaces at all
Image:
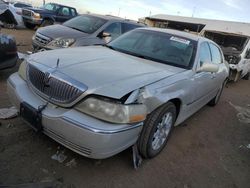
{"x":203,"y":82}
{"x":63,"y":14}
{"x":217,"y":58}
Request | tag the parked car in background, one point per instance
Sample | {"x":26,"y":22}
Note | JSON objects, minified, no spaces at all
{"x":8,"y":52}
{"x":3,"y":6}
{"x":131,"y":91}
{"x":84,"y":30}
{"x":7,"y":19}
{"x":47,"y":15}
{"x":16,"y":9}
{"x":236,"y":49}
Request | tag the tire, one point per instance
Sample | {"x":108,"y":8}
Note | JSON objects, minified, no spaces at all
{"x":47,"y":23}
{"x":149,"y":145}
{"x":29,"y":25}
{"x":247,"y":76}
{"x":216,"y":99}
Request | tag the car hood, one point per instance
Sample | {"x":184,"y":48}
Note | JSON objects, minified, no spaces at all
{"x":40,"y":10}
{"x":104,"y":71}
{"x":60,"y":31}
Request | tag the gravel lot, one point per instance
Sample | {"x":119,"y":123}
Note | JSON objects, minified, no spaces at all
{"x":208,"y":150}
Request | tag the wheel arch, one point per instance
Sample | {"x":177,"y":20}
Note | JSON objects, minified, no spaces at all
{"x":49,"y":18}
{"x":177,"y":102}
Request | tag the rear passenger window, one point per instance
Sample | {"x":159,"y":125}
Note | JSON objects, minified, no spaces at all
{"x":73,"y":12}
{"x":204,"y":53}
{"x":128,"y":27}
{"x":64,"y":11}
{"x":216,"y":54}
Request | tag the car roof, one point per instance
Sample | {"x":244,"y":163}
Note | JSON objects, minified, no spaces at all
{"x":179,"y":33}
{"x":61,"y":5}
{"x":113,"y":18}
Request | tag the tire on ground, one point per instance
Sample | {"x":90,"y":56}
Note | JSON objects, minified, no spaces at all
{"x":247,"y":76}
{"x":150,"y":126}
{"x":47,"y":22}
{"x":29,"y":25}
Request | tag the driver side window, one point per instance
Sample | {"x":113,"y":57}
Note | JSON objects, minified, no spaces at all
{"x":114,"y":30}
{"x":64,"y":11}
{"x":205,"y":55}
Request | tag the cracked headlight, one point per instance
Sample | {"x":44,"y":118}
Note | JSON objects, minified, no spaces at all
{"x":61,"y":43}
{"x":113,"y":112}
{"x":22,"y":70}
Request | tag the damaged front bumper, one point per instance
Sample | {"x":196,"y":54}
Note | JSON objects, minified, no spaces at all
{"x":81,"y":133}
{"x":237,"y":71}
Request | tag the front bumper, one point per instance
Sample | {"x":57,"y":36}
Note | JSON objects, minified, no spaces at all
{"x":32,"y":20}
{"x":83,"y":134}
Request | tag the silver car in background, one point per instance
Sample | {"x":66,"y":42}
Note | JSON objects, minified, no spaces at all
{"x":100,"y":100}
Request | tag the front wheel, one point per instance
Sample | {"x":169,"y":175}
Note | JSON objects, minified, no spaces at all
{"x":29,"y":25}
{"x":47,"y":23}
{"x":156,"y":130}
{"x":247,"y":76}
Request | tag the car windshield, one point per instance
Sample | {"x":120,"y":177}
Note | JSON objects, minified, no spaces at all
{"x":87,"y":24}
{"x":157,"y":46}
{"x":51,"y":7}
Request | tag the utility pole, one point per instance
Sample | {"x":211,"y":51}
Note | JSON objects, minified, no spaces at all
{"x":119,"y":12}
{"x":43,"y":2}
{"x":194,"y":9}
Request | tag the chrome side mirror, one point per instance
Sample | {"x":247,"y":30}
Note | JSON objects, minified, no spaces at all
{"x":208,"y":67}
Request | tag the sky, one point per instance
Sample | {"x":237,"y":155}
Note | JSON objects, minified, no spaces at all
{"x":231,"y":10}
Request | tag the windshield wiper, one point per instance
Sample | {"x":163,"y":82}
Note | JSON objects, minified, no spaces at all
{"x":110,"y":47}
{"x":135,"y":54}
{"x":76,"y":29}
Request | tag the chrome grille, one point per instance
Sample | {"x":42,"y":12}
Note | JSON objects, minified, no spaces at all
{"x":53,"y":87}
{"x":43,"y":40}
{"x":27,"y":13}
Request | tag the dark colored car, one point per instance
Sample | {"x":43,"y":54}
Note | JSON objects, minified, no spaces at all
{"x":84,"y":30}
{"x":47,"y":15}
{"x":8,"y":52}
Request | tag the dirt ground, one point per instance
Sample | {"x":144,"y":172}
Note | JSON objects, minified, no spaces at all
{"x":211,"y":149}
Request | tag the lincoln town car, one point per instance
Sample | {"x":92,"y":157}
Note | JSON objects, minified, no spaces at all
{"x":101,"y":100}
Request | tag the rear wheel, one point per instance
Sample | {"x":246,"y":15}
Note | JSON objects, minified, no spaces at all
{"x":156,"y":130}
{"x":29,"y":25}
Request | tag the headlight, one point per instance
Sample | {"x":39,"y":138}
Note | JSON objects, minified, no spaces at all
{"x":22,"y":70}
{"x":36,"y":15}
{"x":61,"y":43}
{"x":113,"y":112}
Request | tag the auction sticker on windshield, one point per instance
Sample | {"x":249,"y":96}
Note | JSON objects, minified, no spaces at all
{"x":181,"y":40}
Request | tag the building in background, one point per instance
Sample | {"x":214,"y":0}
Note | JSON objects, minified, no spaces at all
{"x":195,"y":24}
